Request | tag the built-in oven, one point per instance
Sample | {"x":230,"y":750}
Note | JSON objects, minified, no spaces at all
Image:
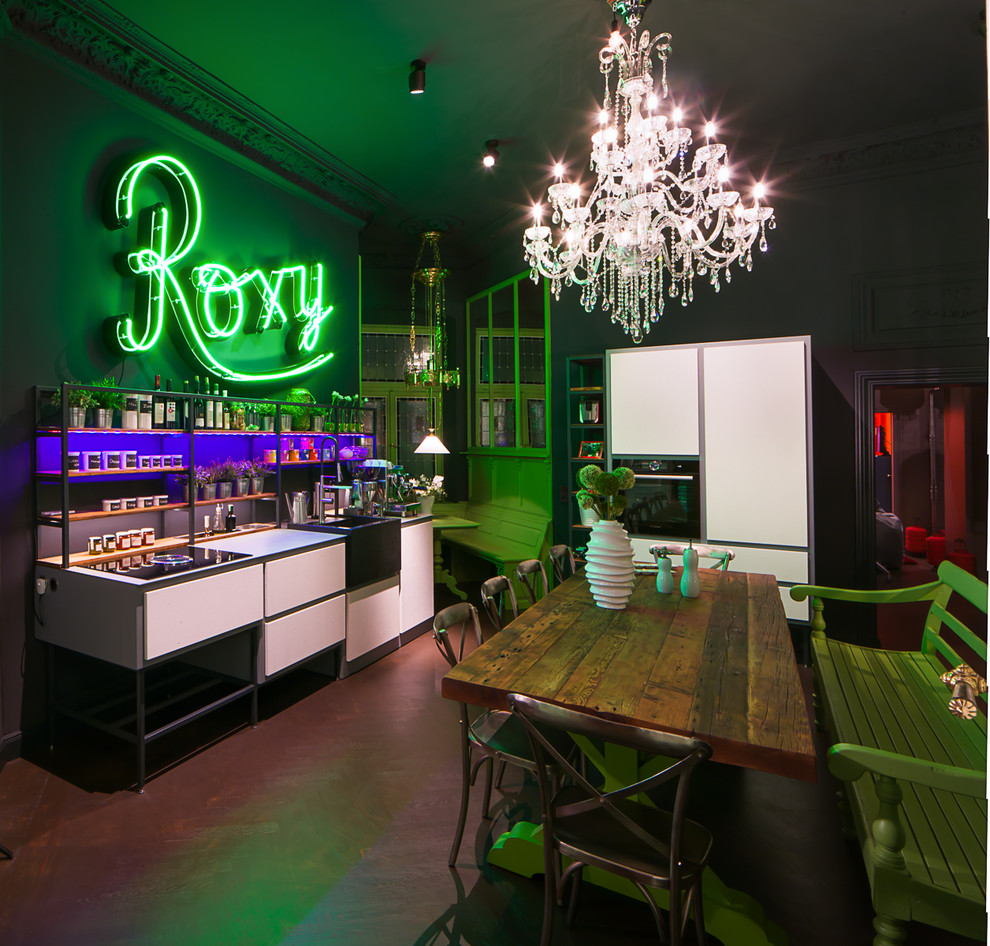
{"x":666,"y":498}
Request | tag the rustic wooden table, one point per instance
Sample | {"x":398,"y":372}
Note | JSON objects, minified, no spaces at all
{"x":720,"y":667}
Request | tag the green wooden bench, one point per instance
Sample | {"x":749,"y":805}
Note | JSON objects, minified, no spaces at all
{"x":914,"y":773}
{"x":505,"y":536}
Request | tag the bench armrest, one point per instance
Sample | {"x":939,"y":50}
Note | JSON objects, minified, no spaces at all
{"x":848,"y":762}
{"x":926,"y":592}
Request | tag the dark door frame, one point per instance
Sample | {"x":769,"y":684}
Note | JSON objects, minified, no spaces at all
{"x":866,"y":384}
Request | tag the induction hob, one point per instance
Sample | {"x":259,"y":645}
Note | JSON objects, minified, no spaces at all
{"x":146,"y":566}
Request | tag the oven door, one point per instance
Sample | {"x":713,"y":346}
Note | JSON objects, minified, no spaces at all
{"x":665,"y":500}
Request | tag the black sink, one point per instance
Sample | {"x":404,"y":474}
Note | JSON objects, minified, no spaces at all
{"x":372,"y":547}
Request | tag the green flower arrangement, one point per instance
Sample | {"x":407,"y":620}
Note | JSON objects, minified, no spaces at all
{"x":602,"y":491}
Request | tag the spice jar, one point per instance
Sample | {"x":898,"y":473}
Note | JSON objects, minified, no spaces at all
{"x":147,"y":536}
{"x":95,"y":544}
{"x":123,"y":541}
{"x":110,"y":543}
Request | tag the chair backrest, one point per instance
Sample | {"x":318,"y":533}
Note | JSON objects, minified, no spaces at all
{"x":457,"y":615}
{"x":493,"y":593}
{"x":527,"y":571}
{"x":721,"y":557}
{"x":539,"y":716}
{"x":562,"y":559}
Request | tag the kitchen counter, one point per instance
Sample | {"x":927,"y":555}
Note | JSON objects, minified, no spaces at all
{"x":271,"y":544}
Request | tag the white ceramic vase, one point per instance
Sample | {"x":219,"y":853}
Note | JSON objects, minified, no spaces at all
{"x":609,"y":568}
{"x":426,"y":504}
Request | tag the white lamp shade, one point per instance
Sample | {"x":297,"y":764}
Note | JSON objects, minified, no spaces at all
{"x":431,"y":444}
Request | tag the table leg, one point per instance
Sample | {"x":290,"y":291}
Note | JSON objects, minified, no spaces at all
{"x":731,"y":915}
{"x":440,"y":574}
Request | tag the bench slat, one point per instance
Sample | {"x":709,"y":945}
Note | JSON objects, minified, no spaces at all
{"x":886,"y":714}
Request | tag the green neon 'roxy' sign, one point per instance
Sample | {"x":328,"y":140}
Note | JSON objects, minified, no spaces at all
{"x":223,"y":296}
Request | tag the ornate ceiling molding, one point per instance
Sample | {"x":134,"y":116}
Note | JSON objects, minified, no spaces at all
{"x":102,"y":41}
{"x":941,"y":148}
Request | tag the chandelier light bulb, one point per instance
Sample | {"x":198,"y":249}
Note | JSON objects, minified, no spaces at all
{"x":558,"y":170}
{"x":488,"y":161}
{"x":656,"y":217}
{"x":538,"y":213}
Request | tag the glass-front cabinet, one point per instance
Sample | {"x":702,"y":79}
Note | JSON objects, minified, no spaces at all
{"x":509,"y":359}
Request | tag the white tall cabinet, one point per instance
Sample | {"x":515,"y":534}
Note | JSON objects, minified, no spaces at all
{"x":744,"y":408}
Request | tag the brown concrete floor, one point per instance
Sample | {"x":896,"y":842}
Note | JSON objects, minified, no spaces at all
{"x":331,"y":822}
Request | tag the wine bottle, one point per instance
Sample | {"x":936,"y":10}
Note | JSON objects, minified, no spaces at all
{"x":199,"y":417}
{"x":185,"y":408}
{"x":230,"y":523}
{"x":226,"y":411}
{"x":157,"y":406}
{"x":170,"y":407}
{"x":209,"y":408}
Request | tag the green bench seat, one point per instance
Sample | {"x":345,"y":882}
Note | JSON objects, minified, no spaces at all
{"x":914,"y":773}
{"x":505,"y":536}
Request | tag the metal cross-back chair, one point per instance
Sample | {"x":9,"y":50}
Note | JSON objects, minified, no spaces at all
{"x":721,"y":557}
{"x":493,"y":595}
{"x":610,"y":830}
{"x":562,"y":562}
{"x":527,"y":571}
{"x":494,"y":735}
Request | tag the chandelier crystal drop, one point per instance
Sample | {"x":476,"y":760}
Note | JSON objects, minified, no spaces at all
{"x":654,"y":220}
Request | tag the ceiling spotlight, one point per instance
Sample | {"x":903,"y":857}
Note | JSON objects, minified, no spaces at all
{"x":491,"y":153}
{"x":417,"y":77}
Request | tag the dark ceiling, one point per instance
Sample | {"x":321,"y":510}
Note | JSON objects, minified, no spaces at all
{"x":785,"y":78}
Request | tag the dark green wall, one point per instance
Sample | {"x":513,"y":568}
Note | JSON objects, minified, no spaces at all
{"x":62,"y":141}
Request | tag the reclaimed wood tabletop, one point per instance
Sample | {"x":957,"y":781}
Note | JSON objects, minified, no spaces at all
{"x":720,"y":667}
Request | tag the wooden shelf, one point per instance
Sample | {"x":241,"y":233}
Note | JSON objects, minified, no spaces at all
{"x":161,"y":545}
{"x":128,"y":471}
{"x":171,"y":432}
{"x":100,"y":514}
{"x":596,"y":389}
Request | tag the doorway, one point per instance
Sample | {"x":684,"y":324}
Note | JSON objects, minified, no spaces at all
{"x":930,"y":472}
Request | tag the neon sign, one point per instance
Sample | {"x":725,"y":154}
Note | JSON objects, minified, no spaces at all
{"x":222,"y":306}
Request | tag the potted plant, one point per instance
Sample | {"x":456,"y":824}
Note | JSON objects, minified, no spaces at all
{"x":266,"y":412}
{"x":224,"y":472}
{"x":237,"y":416}
{"x":108,"y":399}
{"x":429,"y":490}
{"x":257,"y":471}
{"x":242,"y":477}
{"x":317,"y":417}
{"x":79,"y":401}
{"x":610,"y":554}
{"x":205,"y":479}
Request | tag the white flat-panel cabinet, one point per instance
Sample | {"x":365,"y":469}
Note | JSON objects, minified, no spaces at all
{"x":653,"y":402}
{"x":756,"y":443}
{"x":416,"y":576}
{"x":291,"y":639}
{"x":372,"y":617}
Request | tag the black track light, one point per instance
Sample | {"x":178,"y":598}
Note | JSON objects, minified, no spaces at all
{"x":491,"y":153}
{"x":417,"y":77}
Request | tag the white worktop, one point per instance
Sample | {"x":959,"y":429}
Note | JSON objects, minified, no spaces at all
{"x":271,"y":542}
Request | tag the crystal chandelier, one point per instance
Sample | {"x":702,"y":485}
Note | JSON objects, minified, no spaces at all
{"x":429,"y":368}
{"x":650,"y":212}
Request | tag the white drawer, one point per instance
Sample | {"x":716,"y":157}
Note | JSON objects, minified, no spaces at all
{"x":303,"y":633}
{"x":372,"y":616}
{"x":196,"y":610}
{"x":306,"y":576}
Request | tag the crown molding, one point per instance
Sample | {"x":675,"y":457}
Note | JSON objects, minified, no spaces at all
{"x":94,"y":36}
